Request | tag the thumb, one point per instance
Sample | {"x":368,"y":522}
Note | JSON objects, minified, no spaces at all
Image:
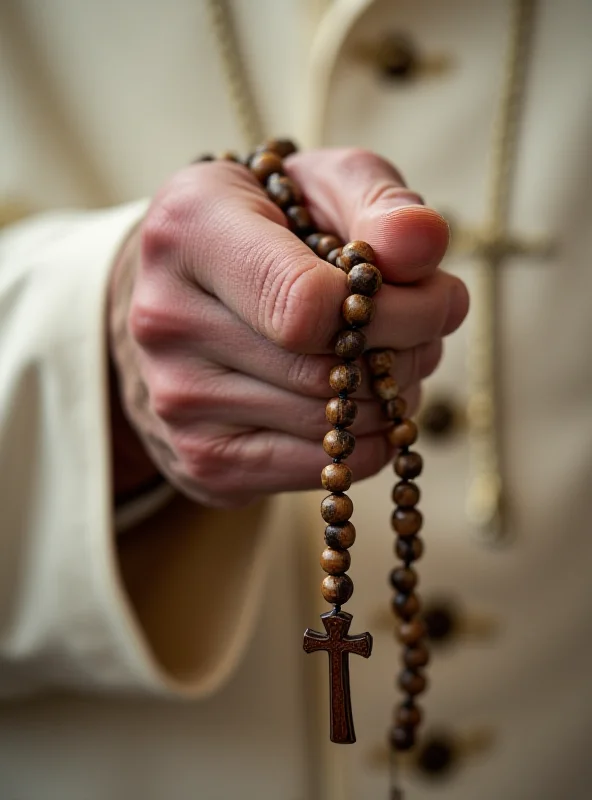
{"x":359,"y":195}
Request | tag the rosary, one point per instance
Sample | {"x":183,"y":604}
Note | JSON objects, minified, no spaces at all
{"x":356,"y":260}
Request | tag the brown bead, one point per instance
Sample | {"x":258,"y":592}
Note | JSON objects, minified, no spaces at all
{"x":417,"y":656}
{"x":412,"y":632}
{"x":282,"y":147}
{"x":395,"y":409}
{"x":358,"y":310}
{"x":412,"y":681}
{"x":313,"y":239}
{"x":406,"y":521}
{"x":345,"y":378}
{"x":408,"y":465}
{"x":340,"y":536}
{"x":265,"y":163}
{"x":404,"y":434}
{"x":228,"y":155}
{"x":380,"y":362}
{"x":341,"y":411}
{"x":336,"y":477}
{"x":337,"y":589}
{"x":406,"y":606}
{"x":283,"y":190}
{"x":404,"y":579}
{"x":408,"y":715}
{"x":350,"y":344}
{"x":364,"y":279}
{"x":357,"y":252}
{"x":385,"y":387}
{"x":406,"y":494}
{"x":339,"y":444}
{"x":333,"y":256}
{"x":326,"y":244}
{"x":335,"y":562}
{"x":299,"y":220}
{"x":402,"y":738}
{"x":342,"y":264}
{"x":409,"y":548}
{"x":337,"y":508}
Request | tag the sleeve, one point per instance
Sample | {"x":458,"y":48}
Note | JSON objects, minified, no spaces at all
{"x":165,"y":607}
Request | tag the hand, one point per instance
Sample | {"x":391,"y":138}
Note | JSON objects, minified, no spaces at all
{"x":222,"y":321}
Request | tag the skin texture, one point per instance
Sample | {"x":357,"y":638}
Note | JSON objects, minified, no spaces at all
{"x":222,"y":322}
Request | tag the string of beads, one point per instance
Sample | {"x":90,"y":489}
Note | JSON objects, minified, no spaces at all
{"x":357,"y":260}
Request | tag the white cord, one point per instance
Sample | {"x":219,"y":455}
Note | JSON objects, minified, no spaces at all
{"x":332,"y":31}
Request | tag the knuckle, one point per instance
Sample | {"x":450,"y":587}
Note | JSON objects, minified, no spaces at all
{"x":146,"y":323}
{"x":176,"y":397}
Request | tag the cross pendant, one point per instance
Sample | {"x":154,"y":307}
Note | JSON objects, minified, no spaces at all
{"x":339,"y":645}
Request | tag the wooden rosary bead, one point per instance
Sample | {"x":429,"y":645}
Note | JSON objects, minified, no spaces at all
{"x":265,"y":163}
{"x":409,"y":548}
{"x":283,"y":190}
{"x":337,"y":589}
{"x":357,"y":252}
{"x":386,"y":387}
{"x":337,"y":508}
{"x":412,"y":681}
{"x":358,"y":310}
{"x":341,"y":411}
{"x":350,"y":344}
{"x":336,"y":477}
{"x":333,"y":256}
{"x":404,"y":434}
{"x":339,"y":443}
{"x":408,"y":465}
{"x":404,"y":579}
{"x":340,"y":536}
{"x":299,"y":220}
{"x":406,"y":494}
{"x":406,"y":606}
{"x":380,"y":362}
{"x":335,"y":562}
{"x":417,"y":656}
{"x":412,"y":632}
{"x":327,"y":243}
{"x":408,"y":715}
{"x":395,"y":409}
{"x":281,"y":147}
{"x":402,"y":738}
{"x":342,"y":264}
{"x":313,"y":239}
{"x":406,"y":521}
{"x":345,"y":378}
{"x":364,"y":279}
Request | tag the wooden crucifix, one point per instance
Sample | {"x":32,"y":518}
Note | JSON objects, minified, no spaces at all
{"x":339,"y":645}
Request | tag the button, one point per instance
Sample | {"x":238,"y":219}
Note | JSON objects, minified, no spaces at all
{"x":437,"y":755}
{"x":439,"y":418}
{"x":397,"y":57}
{"x":441,"y":619}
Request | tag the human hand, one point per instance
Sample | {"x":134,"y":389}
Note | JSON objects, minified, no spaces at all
{"x":222,"y":321}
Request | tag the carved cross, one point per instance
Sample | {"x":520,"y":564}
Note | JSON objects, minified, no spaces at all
{"x":338,"y":645}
